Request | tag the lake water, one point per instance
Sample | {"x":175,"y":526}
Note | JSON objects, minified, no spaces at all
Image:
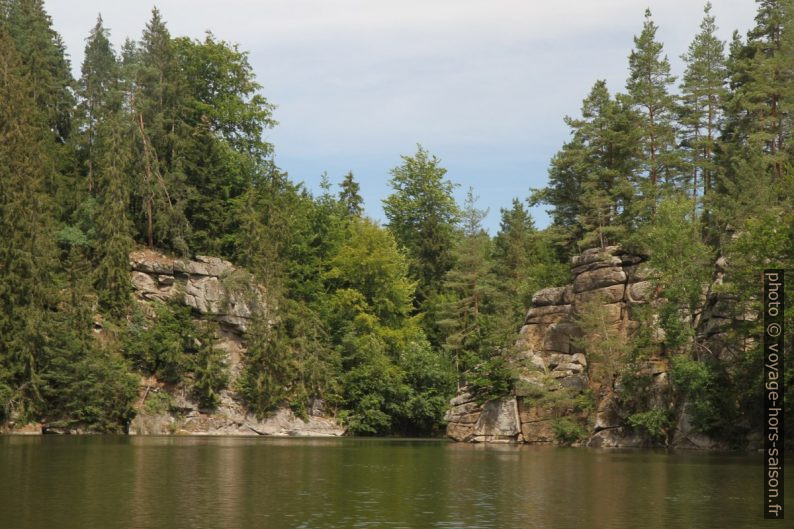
{"x":200,"y":482}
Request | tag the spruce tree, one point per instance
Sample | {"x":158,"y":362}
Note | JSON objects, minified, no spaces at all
{"x":350,"y":197}
{"x":112,"y":276}
{"x":422,"y":214}
{"x":468,"y":316}
{"x":98,"y":91}
{"x":43,"y":58}
{"x":27,"y":251}
{"x":156,"y":101}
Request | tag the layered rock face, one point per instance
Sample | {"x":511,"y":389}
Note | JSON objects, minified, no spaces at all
{"x":555,"y":386}
{"x":210,"y":285}
{"x":214,"y":289}
{"x":552,"y":361}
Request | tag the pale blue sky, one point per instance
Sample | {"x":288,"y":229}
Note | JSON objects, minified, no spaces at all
{"x":484,"y":85}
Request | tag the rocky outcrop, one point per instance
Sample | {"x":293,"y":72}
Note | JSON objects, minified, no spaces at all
{"x":216,"y":290}
{"x":555,"y":388}
{"x":495,"y":421}
{"x":551,"y":363}
{"x":230,"y":418}
{"x":212,"y":286}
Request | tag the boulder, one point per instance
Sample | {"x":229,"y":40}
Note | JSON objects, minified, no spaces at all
{"x":204,"y":266}
{"x":540,"y":432}
{"x":498,"y":421}
{"x":549,"y":296}
{"x":549,"y":314}
{"x":205,"y":294}
{"x":639,"y":292}
{"x":595,"y":279}
{"x":611,"y":294}
{"x":559,"y":335}
{"x":151,"y":262}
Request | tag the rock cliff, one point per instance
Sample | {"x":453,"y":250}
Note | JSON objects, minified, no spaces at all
{"x":555,"y":392}
{"x":217,"y":290}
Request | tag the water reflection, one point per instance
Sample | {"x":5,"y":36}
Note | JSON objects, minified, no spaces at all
{"x":213,"y":482}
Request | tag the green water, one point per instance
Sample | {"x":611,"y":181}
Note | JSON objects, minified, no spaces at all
{"x":179,"y":482}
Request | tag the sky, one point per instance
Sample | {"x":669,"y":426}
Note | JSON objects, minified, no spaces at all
{"x":483,"y":85}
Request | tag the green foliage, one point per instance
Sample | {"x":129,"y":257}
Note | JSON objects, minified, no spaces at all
{"x":655,"y":423}
{"x":162,"y":144}
{"x":161,"y":346}
{"x":422,"y":215}
{"x":209,"y":368}
{"x":157,"y":402}
{"x":568,"y":431}
{"x":590,"y":178}
{"x":607,"y":345}
{"x":648,"y":90}
{"x":491,"y":379}
{"x":27,"y":248}
{"x":349,"y":196}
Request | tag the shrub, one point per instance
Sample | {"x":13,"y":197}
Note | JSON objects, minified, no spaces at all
{"x":655,"y":423}
{"x":568,"y":431}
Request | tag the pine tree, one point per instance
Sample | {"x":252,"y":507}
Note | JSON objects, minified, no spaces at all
{"x":648,"y":88}
{"x":590,"y":179}
{"x":703,"y":90}
{"x":27,"y":251}
{"x":350,"y":197}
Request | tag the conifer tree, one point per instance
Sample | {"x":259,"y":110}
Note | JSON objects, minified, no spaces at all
{"x":468,"y":316}
{"x":99,"y":93}
{"x":27,"y":251}
{"x":156,"y":99}
{"x":422,"y":214}
{"x":703,"y":90}
{"x":223,"y":118}
{"x":350,"y":197}
{"x":590,"y":178}
{"x":113,"y":223}
{"x":43,"y":58}
{"x":648,"y":87}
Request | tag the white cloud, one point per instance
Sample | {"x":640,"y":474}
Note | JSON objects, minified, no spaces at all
{"x":483,"y":83}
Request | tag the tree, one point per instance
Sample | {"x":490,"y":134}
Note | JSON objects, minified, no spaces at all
{"x":106,"y":155}
{"x":703,"y":91}
{"x":99,"y":93}
{"x":156,"y":99}
{"x":27,"y":249}
{"x":422,"y":215}
{"x":371,"y":264}
{"x":43,"y":58}
{"x":591,"y":178}
{"x":648,"y":88}
{"x":87,"y":384}
{"x":350,"y":197}
{"x":525,"y":261}
{"x":222,"y":121}
{"x":112,"y":276}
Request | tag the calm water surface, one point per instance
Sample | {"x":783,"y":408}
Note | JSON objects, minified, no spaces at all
{"x":191,"y":482}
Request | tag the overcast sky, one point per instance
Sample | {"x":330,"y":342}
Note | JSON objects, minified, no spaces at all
{"x":484,"y":85}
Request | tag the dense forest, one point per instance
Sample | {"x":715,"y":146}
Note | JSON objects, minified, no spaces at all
{"x":160,"y":145}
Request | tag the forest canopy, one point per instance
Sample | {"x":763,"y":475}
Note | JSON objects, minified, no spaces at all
{"x":161,"y":144}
